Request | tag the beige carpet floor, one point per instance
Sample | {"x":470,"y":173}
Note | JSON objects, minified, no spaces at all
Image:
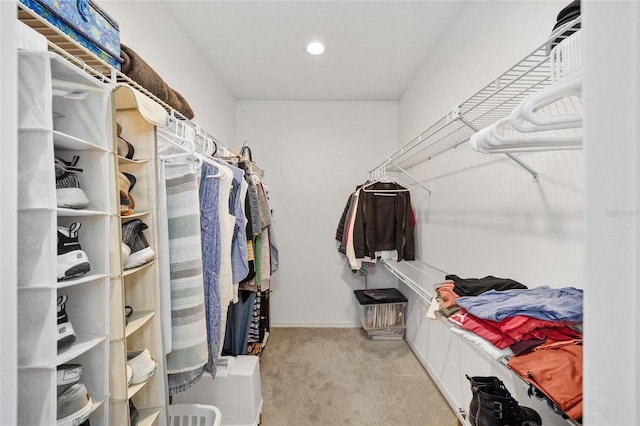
{"x":336,"y":376}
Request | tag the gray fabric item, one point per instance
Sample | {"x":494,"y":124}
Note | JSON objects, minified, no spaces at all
{"x":252,"y":194}
{"x":273,"y":248}
{"x":66,"y":173}
{"x":189,"y":354}
{"x":265,"y":212}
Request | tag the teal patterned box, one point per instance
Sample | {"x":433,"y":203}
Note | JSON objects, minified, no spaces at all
{"x":85,"y":22}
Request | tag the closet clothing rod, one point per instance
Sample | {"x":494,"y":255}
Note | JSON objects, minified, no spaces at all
{"x":518,"y":161}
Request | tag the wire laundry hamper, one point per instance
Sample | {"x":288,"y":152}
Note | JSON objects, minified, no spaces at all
{"x":194,"y":415}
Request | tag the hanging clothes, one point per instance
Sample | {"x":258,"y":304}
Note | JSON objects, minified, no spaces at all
{"x":239,"y":262}
{"x":388,"y":220}
{"x":254,"y":202}
{"x":189,"y":354}
{"x":163,"y":262}
{"x":354,"y":229}
{"x":250,"y":246}
{"x":238,"y":324}
{"x":261,"y":280}
{"x":227,"y":223}
{"x":377,"y":219}
{"x":210,"y":230}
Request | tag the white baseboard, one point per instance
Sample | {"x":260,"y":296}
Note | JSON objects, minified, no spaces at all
{"x":313,"y":324}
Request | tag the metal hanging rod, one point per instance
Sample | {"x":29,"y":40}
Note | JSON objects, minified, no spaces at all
{"x":518,"y":161}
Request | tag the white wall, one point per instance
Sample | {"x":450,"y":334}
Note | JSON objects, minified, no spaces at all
{"x":8,"y":213}
{"x":314,"y":154}
{"x":147,"y":28}
{"x":612,"y":158}
{"x":485,"y":216}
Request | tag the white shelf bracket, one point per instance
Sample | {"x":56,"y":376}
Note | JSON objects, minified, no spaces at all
{"x":518,"y":161}
{"x":410,"y":176}
{"x":454,"y":114}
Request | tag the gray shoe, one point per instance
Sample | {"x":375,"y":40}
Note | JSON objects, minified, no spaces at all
{"x":133,"y":237}
{"x":67,"y":376}
{"x":74,"y":406}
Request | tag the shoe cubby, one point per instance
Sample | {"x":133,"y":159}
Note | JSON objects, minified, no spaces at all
{"x":138,"y":286}
{"x":62,"y":112}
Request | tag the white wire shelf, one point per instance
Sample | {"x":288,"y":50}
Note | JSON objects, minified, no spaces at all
{"x":89,"y":62}
{"x":493,"y":102}
{"x":419,"y":276}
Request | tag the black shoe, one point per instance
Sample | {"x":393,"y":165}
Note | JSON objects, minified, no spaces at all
{"x":134,"y":416}
{"x":478,"y":382}
{"x":71,"y":260}
{"x":66,"y":334}
{"x":496,"y":407}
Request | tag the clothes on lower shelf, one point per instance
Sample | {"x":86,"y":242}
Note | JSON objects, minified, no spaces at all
{"x":563,"y":304}
{"x":537,"y":330}
{"x":477,"y":286}
{"x":555,"y":368}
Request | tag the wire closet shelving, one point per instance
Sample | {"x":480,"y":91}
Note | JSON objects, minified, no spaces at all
{"x":491,"y":103}
{"x":89,"y":62}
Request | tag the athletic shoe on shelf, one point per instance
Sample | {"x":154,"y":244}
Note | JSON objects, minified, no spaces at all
{"x":129,"y":375}
{"x":68,"y":191}
{"x":66,"y":334}
{"x":74,"y":406}
{"x":142,"y":365}
{"x":126,"y":251}
{"x":67,"y":376}
{"x":134,"y":415}
{"x":72,"y":261}
{"x":133,"y":237}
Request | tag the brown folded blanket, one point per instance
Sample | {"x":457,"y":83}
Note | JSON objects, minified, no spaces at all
{"x":139,"y":71}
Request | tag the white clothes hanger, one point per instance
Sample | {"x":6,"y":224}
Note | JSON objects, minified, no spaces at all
{"x":558,"y":106}
{"x":501,"y":136}
{"x":382,"y":191}
{"x":186,"y":147}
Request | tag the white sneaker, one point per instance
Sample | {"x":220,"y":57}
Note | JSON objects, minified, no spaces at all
{"x":142,"y":365}
{"x":72,"y":260}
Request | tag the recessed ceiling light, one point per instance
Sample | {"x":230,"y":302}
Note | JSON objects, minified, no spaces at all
{"x":315,"y":48}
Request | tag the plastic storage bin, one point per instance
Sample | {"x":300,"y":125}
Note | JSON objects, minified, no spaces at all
{"x":194,"y":415}
{"x":235,"y":391}
{"x":381,"y":313}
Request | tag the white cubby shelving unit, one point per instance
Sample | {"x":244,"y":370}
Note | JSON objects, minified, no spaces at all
{"x":137,"y":287}
{"x":50,"y":87}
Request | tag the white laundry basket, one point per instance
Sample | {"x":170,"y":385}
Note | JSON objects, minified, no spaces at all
{"x":194,"y":415}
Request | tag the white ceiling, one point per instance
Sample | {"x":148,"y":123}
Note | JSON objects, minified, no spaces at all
{"x":374,"y":48}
